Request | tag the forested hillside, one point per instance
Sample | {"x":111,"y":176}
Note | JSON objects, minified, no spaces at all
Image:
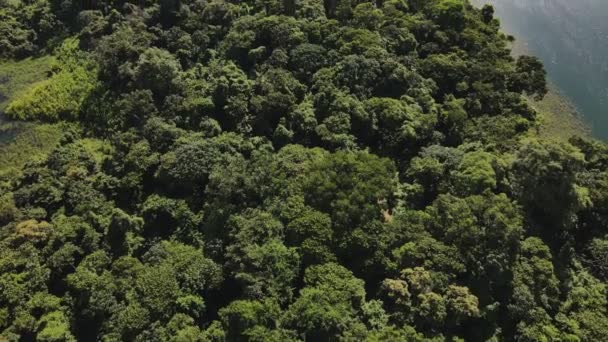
{"x":292,"y":171}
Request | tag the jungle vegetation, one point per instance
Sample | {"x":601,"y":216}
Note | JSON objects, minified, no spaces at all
{"x":280,"y":170}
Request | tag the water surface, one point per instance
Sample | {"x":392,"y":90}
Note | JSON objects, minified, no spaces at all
{"x":571,"y":37}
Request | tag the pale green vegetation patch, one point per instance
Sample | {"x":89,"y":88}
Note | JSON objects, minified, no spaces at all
{"x":16,"y":77}
{"x":97,"y":148}
{"x":22,"y":142}
{"x":60,"y":96}
{"x":558,"y":118}
{"x":29,"y":143}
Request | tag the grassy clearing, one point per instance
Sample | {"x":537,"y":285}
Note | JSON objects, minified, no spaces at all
{"x":31,"y":142}
{"x":559,"y":119}
{"x":61,"y":95}
{"x":22,"y":142}
{"x":16,"y":77}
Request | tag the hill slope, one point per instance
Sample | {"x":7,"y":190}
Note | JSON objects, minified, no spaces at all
{"x":293,"y":171}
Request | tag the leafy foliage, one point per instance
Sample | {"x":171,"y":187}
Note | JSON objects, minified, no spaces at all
{"x":288,"y":171}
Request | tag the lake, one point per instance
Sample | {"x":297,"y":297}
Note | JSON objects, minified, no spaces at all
{"x":571,"y":37}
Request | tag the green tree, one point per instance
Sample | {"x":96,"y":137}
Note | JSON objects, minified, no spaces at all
{"x":535,"y":292}
{"x":544,"y":181}
{"x":156,"y":70}
{"x":241,"y":317}
{"x":327,"y":304}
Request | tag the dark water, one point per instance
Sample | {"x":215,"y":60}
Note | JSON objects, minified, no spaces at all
{"x":571,"y":37}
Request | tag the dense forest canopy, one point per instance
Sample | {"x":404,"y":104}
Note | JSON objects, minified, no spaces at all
{"x":286,"y":170}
